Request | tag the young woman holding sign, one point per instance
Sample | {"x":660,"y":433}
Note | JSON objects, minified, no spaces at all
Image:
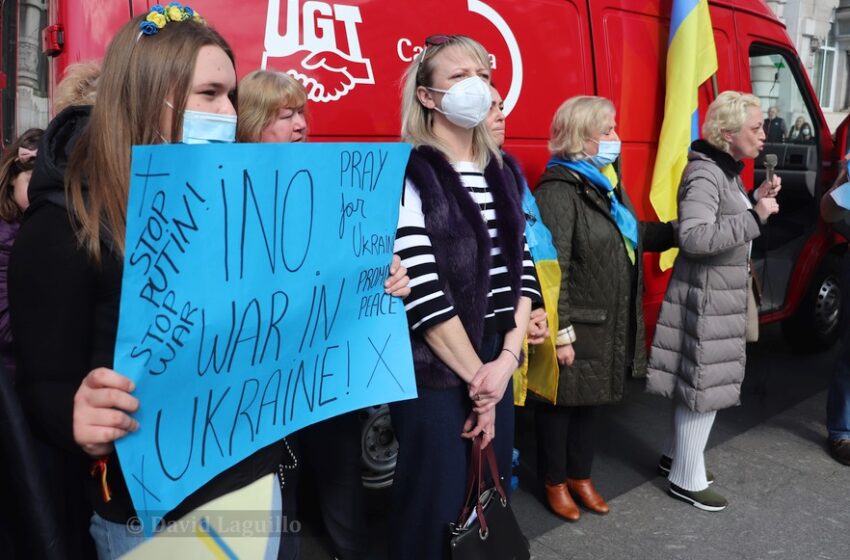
{"x":65,"y":276}
{"x":461,"y":237}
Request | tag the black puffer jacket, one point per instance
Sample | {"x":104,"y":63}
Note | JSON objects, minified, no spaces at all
{"x":600,"y":289}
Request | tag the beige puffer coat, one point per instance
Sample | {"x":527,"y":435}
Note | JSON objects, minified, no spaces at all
{"x":698,"y":352}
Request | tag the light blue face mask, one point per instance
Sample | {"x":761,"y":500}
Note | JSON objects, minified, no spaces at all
{"x":208,"y":128}
{"x":609,"y":151}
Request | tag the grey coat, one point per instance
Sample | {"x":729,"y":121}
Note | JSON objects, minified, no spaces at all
{"x":698,"y":353}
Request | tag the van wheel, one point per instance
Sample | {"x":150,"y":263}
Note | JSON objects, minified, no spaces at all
{"x":819,"y":320}
{"x":379,"y":448}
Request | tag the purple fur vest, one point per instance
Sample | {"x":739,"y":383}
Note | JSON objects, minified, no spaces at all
{"x":461,"y":245}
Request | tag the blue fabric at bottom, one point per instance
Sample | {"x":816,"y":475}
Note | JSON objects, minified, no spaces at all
{"x":838,"y":401}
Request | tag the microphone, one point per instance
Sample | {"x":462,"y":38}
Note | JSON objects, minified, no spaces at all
{"x":770,"y":161}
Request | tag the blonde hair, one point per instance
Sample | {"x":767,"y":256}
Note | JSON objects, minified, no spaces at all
{"x":78,"y":86}
{"x":727,"y":113}
{"x":263,"y":93}
{"x":139,"y":72}
{"x":577,"y":120}
{"x":417,"y":120}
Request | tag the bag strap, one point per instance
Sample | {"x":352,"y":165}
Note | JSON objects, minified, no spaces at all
{"x":494,"y":471}
{"x":475,"y":485}
{"x":471,"y":479}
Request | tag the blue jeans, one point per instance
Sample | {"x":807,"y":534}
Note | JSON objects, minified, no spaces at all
{"x":838,"y":400}
{"x":112,"y":540}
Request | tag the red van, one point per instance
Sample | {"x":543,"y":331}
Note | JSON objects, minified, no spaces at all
{"x":351,"y":54}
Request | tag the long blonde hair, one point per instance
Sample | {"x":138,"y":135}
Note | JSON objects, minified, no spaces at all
{"x":417,"y":120}
{"x":139,"y":73}
{"x":262,"y":94}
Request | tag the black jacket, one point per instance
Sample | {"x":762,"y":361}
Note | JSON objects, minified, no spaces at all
{"x":64,"y":312}
{"x":600,"y":289}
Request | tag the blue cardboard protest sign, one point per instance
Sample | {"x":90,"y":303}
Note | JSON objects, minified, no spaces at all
{"x":252,"y":302}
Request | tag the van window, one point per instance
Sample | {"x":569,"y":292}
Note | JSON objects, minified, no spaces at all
{"x":774,"y":83}
{"x":790,"y":128}
{"x":792,"y":135}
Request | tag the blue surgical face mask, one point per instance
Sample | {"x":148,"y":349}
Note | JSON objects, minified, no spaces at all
{"x":208,"y":128}
{"x":609,"y":151}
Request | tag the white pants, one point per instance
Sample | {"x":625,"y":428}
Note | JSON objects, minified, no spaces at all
{"x":687,"y":447}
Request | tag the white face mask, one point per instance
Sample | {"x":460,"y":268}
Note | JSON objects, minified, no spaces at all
{"x":467,"y":102}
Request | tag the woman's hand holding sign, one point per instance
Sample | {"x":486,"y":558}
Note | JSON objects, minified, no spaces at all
{"x":396,"y":284}
{"x":101,"y":411}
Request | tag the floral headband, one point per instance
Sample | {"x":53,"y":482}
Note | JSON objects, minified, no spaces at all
{"x":159,"y":16}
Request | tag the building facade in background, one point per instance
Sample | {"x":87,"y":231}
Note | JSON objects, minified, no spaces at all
{"x":822,"y":39}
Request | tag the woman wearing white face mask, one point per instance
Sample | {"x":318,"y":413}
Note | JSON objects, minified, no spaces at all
{"x":600,"y":342}
{"x":461,"y":238}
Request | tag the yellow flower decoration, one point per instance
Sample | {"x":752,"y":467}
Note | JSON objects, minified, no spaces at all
{"x":156,"y":19}
{"x":197,"y":18}
{"x":174,"y":13}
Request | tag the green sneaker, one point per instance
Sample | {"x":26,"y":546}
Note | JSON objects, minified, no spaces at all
{"x":706,"y":500}
{"x":665,"y":463}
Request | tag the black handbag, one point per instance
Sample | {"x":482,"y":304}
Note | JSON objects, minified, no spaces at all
{"x":487,"y":528}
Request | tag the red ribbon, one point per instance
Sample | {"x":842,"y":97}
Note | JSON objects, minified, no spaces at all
{"x":100,"y":465}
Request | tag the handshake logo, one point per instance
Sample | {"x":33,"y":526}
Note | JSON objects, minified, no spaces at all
{"x":328,"y":64}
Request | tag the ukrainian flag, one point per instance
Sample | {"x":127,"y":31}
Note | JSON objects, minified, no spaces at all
{"x":539,"y":373}
{"x":691,"y":60}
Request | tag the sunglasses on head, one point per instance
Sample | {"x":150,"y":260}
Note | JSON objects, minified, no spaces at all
{"x":434,"y":41}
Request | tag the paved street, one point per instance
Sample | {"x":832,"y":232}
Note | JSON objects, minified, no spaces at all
{"x":788,"y":499}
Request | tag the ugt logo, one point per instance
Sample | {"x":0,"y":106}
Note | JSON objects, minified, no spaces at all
{"x":334,"y":62}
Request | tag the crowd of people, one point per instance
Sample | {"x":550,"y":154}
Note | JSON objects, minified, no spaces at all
{"x":464,"y":265}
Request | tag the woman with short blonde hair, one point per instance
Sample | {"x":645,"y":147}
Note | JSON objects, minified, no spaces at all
{"x":727,"y":113}
{"x":599,"y":343}
{"x":576,"y":120}
{"x":709,"y":311}
{"x":263,"y":94}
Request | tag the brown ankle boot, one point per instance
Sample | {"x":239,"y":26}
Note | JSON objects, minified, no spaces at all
{"x":560,"y":501}
{"x":587,"y":495}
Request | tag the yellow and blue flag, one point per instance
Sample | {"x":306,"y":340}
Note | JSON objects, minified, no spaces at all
{"x":691,"y":60}
{"x":540,"y":371}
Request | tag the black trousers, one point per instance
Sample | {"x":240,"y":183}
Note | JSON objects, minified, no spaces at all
{"x":330,"y":451}
{"x":433,"y":461}
{"x":565,"y":441}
